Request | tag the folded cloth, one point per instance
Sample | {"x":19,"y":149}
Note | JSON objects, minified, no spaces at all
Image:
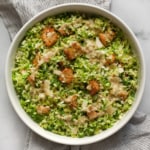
{"x":135,"y":135}
{"x":15,"y":13}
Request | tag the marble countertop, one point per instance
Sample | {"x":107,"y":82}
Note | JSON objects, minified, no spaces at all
{"x":135,"y":13}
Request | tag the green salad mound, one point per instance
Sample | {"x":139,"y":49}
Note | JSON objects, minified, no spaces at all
{"x":75,"y":75}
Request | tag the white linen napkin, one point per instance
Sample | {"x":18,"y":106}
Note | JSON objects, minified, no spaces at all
{"x":135,"y":135}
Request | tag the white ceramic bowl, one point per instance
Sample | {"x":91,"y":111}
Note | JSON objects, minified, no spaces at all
{"x":86,"y":8}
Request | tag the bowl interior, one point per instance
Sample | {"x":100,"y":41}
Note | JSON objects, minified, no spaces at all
{"x":85,"y":8}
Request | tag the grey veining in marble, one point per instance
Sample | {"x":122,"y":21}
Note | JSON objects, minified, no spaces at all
{"x":12,"y":130}
{"x":135,"y":13}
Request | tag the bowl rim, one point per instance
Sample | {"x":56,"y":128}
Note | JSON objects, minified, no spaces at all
{"x":62,"y":139}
